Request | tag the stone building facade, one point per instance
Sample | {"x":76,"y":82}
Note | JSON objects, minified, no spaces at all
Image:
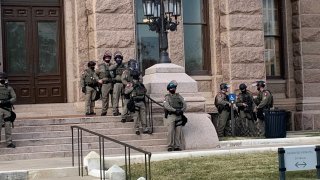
{"x":236,"y":42}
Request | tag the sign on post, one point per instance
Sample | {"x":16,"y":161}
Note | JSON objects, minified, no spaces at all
{"x":232,"y":98}
{"x":297,"y":158}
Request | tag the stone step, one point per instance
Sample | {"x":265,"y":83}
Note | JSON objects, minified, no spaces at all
{"x":86,"y":146}
{"x":119,"y":133}
{"x":85,"y":139}
{"x":55,"y":154}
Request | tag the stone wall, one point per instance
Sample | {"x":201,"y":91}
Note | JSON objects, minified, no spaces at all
{"x":242,"y":41}
{"x":306,"y":52}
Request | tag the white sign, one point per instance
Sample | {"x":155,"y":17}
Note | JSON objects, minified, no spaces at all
{"x":300,"y":158}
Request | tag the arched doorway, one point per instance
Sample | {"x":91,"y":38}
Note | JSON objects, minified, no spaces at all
{"x":32,"y":34}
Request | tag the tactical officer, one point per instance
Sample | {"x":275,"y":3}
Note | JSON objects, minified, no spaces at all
{"x":117,"y":70}
{"x":7,"y":98}
{"x":137,"y":92}
{"x":223,"y":105}
{"x":264,"y":101}
{"x":105,"y":79}
{"x":127,"y":78}
{"x":175,"y":105}
{"x":89,"y":81}
{"x":246,"y":106}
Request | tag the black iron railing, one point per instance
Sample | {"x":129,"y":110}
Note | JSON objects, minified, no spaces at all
{"x":150,"y":112}
{"x":102,"y":138}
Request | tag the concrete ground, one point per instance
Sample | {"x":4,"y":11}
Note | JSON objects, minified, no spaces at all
{"x":61,"y":168}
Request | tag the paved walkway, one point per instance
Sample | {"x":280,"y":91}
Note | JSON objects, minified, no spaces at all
{"x":62,"y":167}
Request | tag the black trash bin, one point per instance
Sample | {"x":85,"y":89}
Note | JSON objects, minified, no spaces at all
{"x":275,"y":123}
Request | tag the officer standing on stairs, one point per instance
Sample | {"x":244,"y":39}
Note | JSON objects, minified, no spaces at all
{"x":117,"y":70}
{"x":137,"y":92}
{"x":264,"y":101}
{"x":106,"y":81}
{"x":175,"y":106}
{"x":88,"y":82}
{"x":223,"y":105}
{"x":7,"y":98}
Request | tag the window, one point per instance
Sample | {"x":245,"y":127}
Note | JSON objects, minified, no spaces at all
{"x":272,"y":38}
{"x":147,"y":41}
{"x":196,"y":37}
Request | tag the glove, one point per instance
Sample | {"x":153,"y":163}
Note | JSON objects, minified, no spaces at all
{"x":84,"y":89}
{"x":179,"y":112}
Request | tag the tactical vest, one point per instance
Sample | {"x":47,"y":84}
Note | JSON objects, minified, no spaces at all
{"x":104,"y":71}
{"x":139,"y":90}
{"x":4,"y":93}
{"x":89,"y":79}
{"x":119,"y":70}
{"x":175,"y":101}
{"x":216,"y":103}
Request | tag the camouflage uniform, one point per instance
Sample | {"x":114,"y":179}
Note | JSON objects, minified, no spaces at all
{"x":222,"y":103}
{"x":7,"y":98}
{"x":246,"y":112}
{"x":264,"y":101}
{"x":171,"y":103}
{"x":117,"y":85}
{"x":88,"y":81}
{"x":104,"y":74}
{"x":126,"y":79}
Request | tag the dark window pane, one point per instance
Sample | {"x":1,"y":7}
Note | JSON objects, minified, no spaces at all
{"x":192,"y":11}
{"x":139,"y":11}
{"x":16,"y":55}
{"x":193,"y":48}
{"x":148,"y":47}
{"x":47,"y":34}
{"x":272,"y":56}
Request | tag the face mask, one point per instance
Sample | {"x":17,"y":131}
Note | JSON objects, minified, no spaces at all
{"x":106,"y":60}
{"x":258,"y":88}
{"x":92,"y":67}
{"x":118,"y":61}
{"x":172,"y":91}
{"x":244,"y":91}
{"x":2,"y":81}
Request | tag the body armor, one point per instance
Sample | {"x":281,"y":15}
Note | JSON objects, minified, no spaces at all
{"x":119,"y":70}
{"x":89,"y":78}
{"x":4,"y":93}
{"x":139,"y":91}
{"x":175,"y":101}
{"x":245,"y":98}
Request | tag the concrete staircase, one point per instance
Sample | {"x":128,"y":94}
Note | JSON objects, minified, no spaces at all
{"x":43,"y":131}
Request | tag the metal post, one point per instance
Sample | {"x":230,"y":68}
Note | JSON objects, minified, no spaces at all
{"x":72,"y":146}
{"x":282,"y":168}
{"x":318,"y":161}
{"x":232,"y":120}
{"x":164,"y":56}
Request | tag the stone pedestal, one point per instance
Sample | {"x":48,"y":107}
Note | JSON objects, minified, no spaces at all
{"x":199,"y":128}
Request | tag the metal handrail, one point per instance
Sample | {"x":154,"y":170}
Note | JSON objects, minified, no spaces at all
{"x":127,"y":149}
{"x":149,"y":103}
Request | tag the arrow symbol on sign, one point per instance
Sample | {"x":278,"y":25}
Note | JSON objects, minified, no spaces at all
{"x":301,"y":165}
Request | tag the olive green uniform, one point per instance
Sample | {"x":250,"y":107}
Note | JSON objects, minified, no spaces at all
{"x":246,"y":112}
{"x":117,"y":85}
{"x":263,"y":102}
{"x":224,"y":112}
{"x":171,"y":103}
{"x":137,"y":92}
{"x":6,"y":93}
{"x":89,"y":80}
{"x":126,"y":79}
{"x":103,"y":74}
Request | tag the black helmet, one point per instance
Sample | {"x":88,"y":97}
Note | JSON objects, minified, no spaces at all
{"x":3,"y":75}
{"x":261,"y":84}
{"x":172,"y":85}
{"x":91,"y":63}
{"x":242,"y":87}
{"x":224,"y":86}
{"x":107,"y":54}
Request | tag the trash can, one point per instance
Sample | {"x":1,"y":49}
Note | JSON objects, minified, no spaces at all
{"x":276,"y":123}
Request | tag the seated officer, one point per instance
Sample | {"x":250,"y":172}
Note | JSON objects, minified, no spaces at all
{"x":7,"y":98}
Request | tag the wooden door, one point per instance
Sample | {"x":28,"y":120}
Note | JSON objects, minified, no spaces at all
{"x":32,"y":49}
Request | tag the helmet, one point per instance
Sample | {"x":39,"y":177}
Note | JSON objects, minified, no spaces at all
{"x":132,"y":64}
{"x":242,"y":87}
{"x":91,"y":63}
{"x":3,"y":75}
{"x":224,"y":86}
{"x":107,"y":54}
{"x":172,"y":84}
{"x":261,"y":84}
{"x":118,"y":54}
